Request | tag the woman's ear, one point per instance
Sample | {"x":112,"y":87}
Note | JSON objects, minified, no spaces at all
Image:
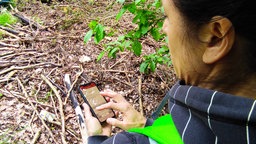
{"x":219,"y":36}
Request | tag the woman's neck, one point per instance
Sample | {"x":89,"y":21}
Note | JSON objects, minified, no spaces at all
{"x":235,"y":82}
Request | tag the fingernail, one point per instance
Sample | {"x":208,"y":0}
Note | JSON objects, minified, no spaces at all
{"x":108,"y":120}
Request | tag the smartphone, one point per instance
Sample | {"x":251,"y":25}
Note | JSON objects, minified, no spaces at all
{"x":91,"y":95}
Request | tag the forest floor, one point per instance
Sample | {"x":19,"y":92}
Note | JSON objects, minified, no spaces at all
{"x":52,"y":47}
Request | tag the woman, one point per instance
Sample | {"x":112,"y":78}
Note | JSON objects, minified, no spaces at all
{"x":213,"y":49}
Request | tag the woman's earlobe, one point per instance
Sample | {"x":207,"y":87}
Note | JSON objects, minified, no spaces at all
{"x":221,"y":40}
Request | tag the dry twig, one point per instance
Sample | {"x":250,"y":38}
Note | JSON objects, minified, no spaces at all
{"x":32,"y":105}
{"x":8,"y":45}
{"x":119,"y":61}
{"x":140,"y":96}
{"x":63,"y":135}
{"x":9,"y":30}
{"x":10,"y":34}
{"x":36,"y":136}
{"x":25,"y":67}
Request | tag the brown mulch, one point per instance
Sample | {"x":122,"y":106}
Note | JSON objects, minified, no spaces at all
{"x":53,"y":46}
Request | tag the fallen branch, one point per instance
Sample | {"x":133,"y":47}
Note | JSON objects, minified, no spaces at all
{"x":9,"y":30}
{"x":63,"y":135}
{"x":25,"y":67}
{"x":116,"y":71}
{"x":10,"y":34}
{"x":122,"y":81}
{"x":119,"y":61}
{"x":140,"y":96}
{"x":36,"y":136}
{"x":7,"y":53}
{"x":28,"y":21}
{"x":37,"y":113}
{"x":8,"y":45}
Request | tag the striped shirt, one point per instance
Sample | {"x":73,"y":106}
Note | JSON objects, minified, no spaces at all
{"x":205,"y":116}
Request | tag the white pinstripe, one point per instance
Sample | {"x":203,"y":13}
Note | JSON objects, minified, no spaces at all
{"x":174,"y":97}
{"x":114,"y":139}
{"x":189,"y":114}
{"x":208,"y":112}
{"x":248,"y":119}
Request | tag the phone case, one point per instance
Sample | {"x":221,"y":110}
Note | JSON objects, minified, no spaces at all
{"x":87,"y":86}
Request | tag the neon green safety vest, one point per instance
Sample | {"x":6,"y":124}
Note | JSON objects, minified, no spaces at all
{"x":163,"y":131}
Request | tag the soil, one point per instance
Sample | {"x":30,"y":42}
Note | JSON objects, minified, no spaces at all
{"x":50,"y":46}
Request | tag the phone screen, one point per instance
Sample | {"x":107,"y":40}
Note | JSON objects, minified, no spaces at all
{"x":94,"y":99}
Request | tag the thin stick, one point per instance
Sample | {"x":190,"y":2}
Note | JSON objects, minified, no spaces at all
{"x":9,"y":30}
{"x":36,"y":136}
{"x":122,"y":81}
{"x":24,"y":67}
{"x":117,"y":71}
{"x":32,"y":105}
{"x":63,"y":135}
{"x":140,"y":96}
{"x":120,"y":60}
{"x":72,"y":86}
{"x":23,"y":98}
{"x":28,"y":21}
{"x":8,"y":45}
{"x":55,"y":110}
{"x":10,"y":34}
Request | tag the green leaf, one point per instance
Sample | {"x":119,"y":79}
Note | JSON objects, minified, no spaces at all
{"x":93,"y":24}
{"x":143,"y":18}
{"x":136,"y":47}
{"x":1,"y":94}
{"x":137,"y":17}
{"x":121,"y":12}
{"x":152,"y":66}
{"x":163,"y":50}
{"x":137,"y":34}
{"x":143,"y":67}
{"x":112,"y":53}
{"x":100,"y":55}
{"x":132,"y":7}
{"x":126,"y":44}
{"x":155,"y":34}
{"x":120,"y":1}
{"x":157,"y":4}
{"x":137,"y":1}
{"x":121,"y":38}
{"x":87,"y":36}
{"x":99,"y":33}
{"x":144,"y":29}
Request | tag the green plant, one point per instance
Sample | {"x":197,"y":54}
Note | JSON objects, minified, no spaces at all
{"x":150,"y":62}
{"x":97,"y":30}
{"x":148,"y":17}
{"x":7,"y":18}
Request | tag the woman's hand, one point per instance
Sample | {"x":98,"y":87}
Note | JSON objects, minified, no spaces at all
{"x":93,"y":125}
{"x":131,"y":117}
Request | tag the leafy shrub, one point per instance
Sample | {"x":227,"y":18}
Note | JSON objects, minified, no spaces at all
{"x":148,"y":17}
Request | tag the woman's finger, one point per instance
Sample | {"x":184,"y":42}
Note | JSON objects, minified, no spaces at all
{"x":115,"y":122}
{"x":115,"y":96}
{"x":121,"y":107}
{"x":87,"y":112}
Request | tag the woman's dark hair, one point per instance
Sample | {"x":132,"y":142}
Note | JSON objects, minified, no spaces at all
{"x":242,"y":14}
